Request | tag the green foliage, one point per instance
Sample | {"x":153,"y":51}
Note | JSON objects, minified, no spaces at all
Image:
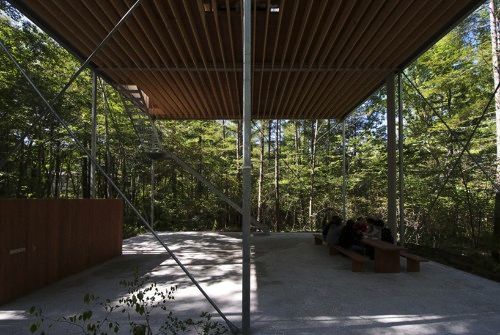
{"x":301,"y":159}
{"x":143,"y":298}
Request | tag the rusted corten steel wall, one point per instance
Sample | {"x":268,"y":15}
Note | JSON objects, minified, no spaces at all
{"x":42,"y":241}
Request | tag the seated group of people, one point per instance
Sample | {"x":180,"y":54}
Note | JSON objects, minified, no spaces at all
{"x":349,"y":236}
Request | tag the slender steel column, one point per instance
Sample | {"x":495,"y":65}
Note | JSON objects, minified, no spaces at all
{"x":401,"y":162}
{"x":247,"y":164}
{"x":391,"y":155}
{"x":153,"y":185}
{"x":93,"y":139}
{"x":344,"y":175}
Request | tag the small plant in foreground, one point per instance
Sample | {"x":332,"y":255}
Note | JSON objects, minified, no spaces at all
{"x":142,"y":300}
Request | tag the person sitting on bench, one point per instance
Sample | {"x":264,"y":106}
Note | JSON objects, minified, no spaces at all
{"x":325,"y":227}
{"x":361,"y":226}
{"x":332,"y":238}
{"x":386,"y":234}
{"x":374,"y":228}
{"x":350,"y":238}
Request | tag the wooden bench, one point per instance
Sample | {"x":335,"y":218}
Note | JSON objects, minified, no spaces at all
{"x":358,"y":260}
{"x":412,"y":261}
{"x":318,"y":239}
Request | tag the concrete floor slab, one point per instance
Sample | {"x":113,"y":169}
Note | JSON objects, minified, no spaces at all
{"x":297,"y":288}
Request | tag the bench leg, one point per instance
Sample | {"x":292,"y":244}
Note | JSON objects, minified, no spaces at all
{"x":333,"y":251}
{"x":386,"y":261}
{"x":357,"y":266}
{"x":412,"y":265}
{"x":318,"y":241}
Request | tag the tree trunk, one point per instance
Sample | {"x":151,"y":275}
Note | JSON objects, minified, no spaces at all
{"x":22,"y":167}
{"x":269,"y":130}
{"x":261,"y":174}
{"x":496,"y":79}
{"x":57,"y":169}
{"x":314,"y":136}
{"x":296,"y":142}
{"x":85,"y":179}
{"x":49,"y":171}
{"x":85,"y":175}
{"x":226,"y":216}
{"x":108,"y":155}
{"x":277,"y":206}
{"x":199,"y":169}
{"x":75,"y":189}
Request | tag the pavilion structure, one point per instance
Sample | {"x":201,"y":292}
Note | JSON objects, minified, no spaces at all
{"x":244,"y":59}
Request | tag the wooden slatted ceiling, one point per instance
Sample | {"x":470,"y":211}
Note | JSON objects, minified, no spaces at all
{"x":312,"y":58}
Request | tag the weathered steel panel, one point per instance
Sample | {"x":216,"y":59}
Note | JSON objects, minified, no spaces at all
{"x":43,"y":240}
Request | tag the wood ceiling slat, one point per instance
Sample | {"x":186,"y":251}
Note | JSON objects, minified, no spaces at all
{"x":233,"y":54}
{"x":185,"y":41}
{"x":348,"y":99}
{"x":266,"y":112}
{"x":293,"y":87}
{"x":98,"y":25}
{"x":344,"y":78}
{"x":208,"y":37}
{"x":201,"y":51}
{"x":146,"y":40}
{"x":137,"y":27}
{"x":312,"y":58}
{"x":371,"y":82}
{"x":81,"y":42}
{"x":234,"y":105}
{"x":94,"y":31}
{"x":382,"y":50}
{"x":418,"y":35}
{"x":388,"y":46}
{"x":262,"y":60}
{"x":284,"y":87}
{"x":105,"y":59}
{"x":187,"y":89}
{"x":368,"y":23}
{"x":131,"y":39}
{"x":143,"y":60}
{"x":290,"y":26}
{"x":181,"y":52}
{"x":346,"y":32}
{"x":314,"y":82}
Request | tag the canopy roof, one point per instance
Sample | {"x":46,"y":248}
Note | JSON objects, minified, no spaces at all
{"x":312,"y":59}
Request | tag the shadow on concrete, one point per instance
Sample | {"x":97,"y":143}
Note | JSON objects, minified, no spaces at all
{"x":297,"y":288}
{"x":301,"y":289}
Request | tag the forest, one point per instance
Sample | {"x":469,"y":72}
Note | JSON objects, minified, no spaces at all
{"x":297,"y":164}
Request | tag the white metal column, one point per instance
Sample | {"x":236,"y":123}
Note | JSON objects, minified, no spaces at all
{"x":247,"y":164}
{"x":391,"y":155}
{"x":93,"y":139}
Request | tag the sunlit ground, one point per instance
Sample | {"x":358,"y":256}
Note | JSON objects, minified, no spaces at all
{"x":297,"y":288}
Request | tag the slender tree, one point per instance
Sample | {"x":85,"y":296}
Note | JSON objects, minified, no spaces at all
{"x":494,"y":31}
